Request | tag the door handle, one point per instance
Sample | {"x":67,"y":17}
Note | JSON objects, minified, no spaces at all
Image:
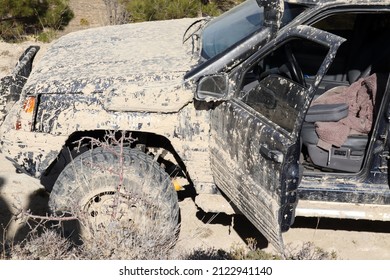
{"x":273,"y":155}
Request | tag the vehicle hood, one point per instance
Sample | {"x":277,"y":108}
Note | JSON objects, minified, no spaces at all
{"x":131,"y":63}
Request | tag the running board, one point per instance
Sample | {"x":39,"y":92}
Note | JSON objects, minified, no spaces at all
{"x":338,"y":210}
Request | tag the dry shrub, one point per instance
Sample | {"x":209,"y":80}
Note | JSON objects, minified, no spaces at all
{"x":49,"y":245}
{"x":109,"y":244}
{"x":118,"y":200}
{"x":308,"y":251}
{"x":208,"y":254}
{"x":120,"y":238}
{"x":251,"y":252}
{"x":116,"y":12}
{"x":115,"y":235}
{"x":114,"y":243}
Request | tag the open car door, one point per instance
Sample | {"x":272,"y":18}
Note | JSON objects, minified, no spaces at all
{"x":255,"y":144}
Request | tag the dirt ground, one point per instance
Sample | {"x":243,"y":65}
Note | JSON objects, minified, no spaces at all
{"x":349,"y":239}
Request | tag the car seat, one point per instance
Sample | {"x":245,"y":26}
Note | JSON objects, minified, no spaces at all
{"x":371,"y":55}
{"x":337,"y":124}
{"x":349,"y":156}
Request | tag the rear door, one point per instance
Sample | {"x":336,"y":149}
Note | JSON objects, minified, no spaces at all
{"x":255,"y":143}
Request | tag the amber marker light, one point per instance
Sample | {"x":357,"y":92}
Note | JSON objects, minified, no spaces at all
{"x":29,"y":104}
{"x":25,"y":118}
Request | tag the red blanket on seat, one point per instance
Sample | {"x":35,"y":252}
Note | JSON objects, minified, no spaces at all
{"x":360,"y":96}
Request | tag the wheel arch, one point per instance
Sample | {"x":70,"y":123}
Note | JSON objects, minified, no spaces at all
{"x":157,"y":145}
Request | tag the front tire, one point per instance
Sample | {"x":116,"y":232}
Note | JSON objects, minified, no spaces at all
{"x":119,"y":195}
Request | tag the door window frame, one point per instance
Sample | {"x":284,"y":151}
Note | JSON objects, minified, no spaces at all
{"x":329,"y":40}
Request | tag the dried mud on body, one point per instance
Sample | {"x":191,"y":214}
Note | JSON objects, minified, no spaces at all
{"x":349,"y":239}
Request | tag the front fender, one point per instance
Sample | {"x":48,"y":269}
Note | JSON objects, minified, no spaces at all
{"x":11,"y":86}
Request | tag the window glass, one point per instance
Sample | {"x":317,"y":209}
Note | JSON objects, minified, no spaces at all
{"x":237,"y":24}
{"x":338,"y":23}
{"x":275,"y":85}
{"x":275,"y":98}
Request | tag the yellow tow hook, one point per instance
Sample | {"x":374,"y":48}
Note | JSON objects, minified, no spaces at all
{"x":177,"y":185}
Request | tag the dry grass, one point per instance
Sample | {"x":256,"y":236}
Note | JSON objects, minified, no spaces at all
{"x":116,"y":241}
{"x":47,"y":243}
{"x":50,"y":245}
{"x":116,"y":214}
{"x":46,"y":246}
{"x":308,"y":251}
{"x":132,"y":223}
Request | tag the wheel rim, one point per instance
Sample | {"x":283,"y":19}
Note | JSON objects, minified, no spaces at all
{"x":105,"y":208}
{"x":137,"y":220}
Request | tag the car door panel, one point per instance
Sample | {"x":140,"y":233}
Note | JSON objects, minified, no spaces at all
{"x":237,"y":161}
{"x":255,"y":143}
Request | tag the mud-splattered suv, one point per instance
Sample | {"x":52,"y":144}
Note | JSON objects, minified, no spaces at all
{"x":270,"y":102}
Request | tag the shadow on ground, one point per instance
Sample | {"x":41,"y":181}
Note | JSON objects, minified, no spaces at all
{"x":37,"y":205}
{"x":342,"y":224}
{"x":246,"y":230}
{"x":12,"y":228}
{"x":5,"y":213}
{"x":239,"y":223}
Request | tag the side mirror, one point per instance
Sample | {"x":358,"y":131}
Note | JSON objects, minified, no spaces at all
{"x":213,"y":88}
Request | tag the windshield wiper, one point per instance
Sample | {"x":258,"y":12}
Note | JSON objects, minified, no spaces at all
{"x":194,"y":35}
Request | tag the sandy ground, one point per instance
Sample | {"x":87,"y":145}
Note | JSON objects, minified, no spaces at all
{"x":349,"y":239}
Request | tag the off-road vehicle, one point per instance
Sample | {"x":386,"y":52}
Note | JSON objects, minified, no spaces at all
{"x":270,"y":102}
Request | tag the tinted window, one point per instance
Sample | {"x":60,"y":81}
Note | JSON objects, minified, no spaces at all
{"x":272,"y":90}
{"x":237,"y":24}
{"x":278,"y":99}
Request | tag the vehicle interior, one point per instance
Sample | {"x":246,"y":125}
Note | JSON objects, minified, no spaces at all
{"x":363,"y":58}
{"x":341,"y":119}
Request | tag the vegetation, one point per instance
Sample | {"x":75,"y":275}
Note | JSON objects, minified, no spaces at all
{"x":141,"y":10}
{"x":43,"y":18}
{"x":308,"y":251}
{"x":49,"y":244}
{"x":124,"y":11}
{"x":19,"y":18}
{"x":119,"y":232}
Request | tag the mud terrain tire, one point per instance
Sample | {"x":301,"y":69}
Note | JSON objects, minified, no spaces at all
{"x":130,"y":194}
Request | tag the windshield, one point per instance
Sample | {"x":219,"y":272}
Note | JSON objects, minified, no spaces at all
{"x":238,"y":23}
